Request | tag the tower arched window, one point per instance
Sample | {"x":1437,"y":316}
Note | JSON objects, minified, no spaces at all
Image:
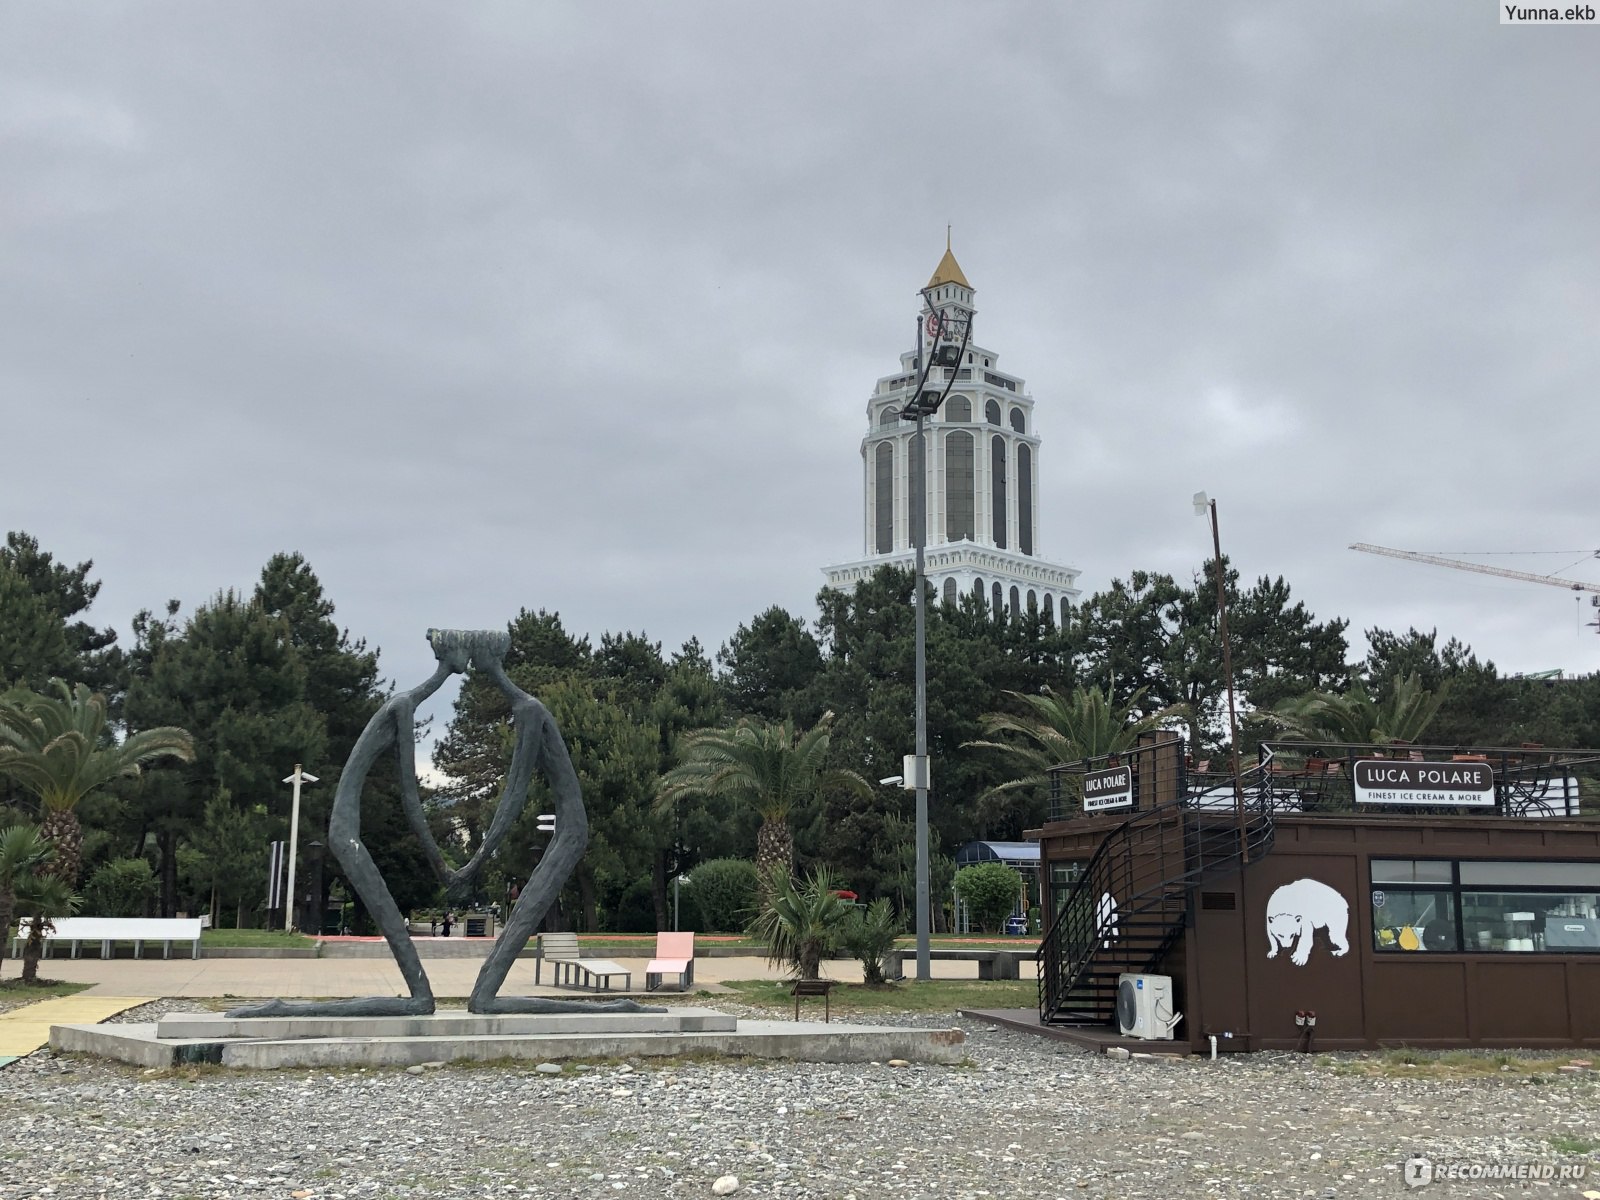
{"x":1066,"y":611}
{"x":997,"y":473}
{"x":1024,"y":498}
{"x":950,"y":591}
{"x":1018,"y":421}
{"x":978,"y":588}
{"x":958,"y":408}
{"x":999,"y":600}
{"x":991,"y":411}
{"x":1049,"y":610}
{"x":1033,"y":601}
{"x":884,"y":514}
{"x":960,"y":494}
{"x":887,"y":417}
{"x":1015,"y":601}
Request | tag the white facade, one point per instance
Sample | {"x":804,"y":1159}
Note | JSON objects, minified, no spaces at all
{"x":982,"y":471}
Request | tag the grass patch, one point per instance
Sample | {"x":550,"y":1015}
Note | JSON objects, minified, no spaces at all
{"x":1573,"y":1145}
{"x":933,"y":995}
{"x":254,"y":938}
{"x":25,"y":993}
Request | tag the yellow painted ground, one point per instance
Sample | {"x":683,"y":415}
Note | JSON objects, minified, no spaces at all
{"x":23,"y":1030}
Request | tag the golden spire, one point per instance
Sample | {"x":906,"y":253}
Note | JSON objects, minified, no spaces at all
{"x":948,"y":270}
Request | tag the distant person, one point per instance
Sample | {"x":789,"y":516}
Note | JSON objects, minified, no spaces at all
{"x":449,"y":920}
{"x":433,"y":926}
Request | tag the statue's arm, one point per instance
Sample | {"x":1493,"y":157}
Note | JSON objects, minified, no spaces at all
{"x":405,"y":744}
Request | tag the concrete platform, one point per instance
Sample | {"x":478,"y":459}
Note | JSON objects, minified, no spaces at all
{"x":1098,"y":1038}
{"x":217,"y":1026}
{"x":469,"y":1038}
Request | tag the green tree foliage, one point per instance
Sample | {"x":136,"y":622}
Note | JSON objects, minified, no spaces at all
{"x":1402,"y":714}
{"x":723,"y":894}
{"x":800,"y":923}
{"x":123,"y":887}
{"x":868,"y":934}
{"x":769,"y":768}
{"x":770,"y":667}
{"x":1154,"y":638}
{"x":33,"y":639}
{"x":63,"y":594}
{"x":23,"y":852}
{"x":42,"y":895}
{"x":233,"y":856}
{"x":990,"y":891}
{"x":59,"y":747}
{"x":1050,"y":729}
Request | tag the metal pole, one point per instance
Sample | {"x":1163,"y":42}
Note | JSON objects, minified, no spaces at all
{"x":1227,"y":672}
{"x":297,"y":779}
{"x":920,"y":523}
{"x":676,"y":880}
{"x":294,"y":842}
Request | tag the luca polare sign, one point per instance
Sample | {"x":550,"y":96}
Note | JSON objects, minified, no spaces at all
{"x":1111,"y":788}
{"x":1439,"y":784}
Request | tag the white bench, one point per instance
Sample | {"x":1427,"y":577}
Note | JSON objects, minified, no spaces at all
{"x":109,"y":930}
{"x":560,"y":950}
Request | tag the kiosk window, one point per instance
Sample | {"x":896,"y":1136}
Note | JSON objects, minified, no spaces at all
{"x":1484,"y":906}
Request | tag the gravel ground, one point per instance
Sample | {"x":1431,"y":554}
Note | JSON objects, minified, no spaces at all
{"x":1024,"y":1118}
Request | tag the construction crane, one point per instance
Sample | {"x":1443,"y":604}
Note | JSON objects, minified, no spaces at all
{"x":1572,"y":585}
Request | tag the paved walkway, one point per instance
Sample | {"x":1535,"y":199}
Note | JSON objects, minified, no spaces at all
{"x":23,"y":1030}
{"x":332,"y":977}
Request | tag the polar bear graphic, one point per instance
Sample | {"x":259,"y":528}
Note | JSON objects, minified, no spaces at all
{"x":1297,"y":910}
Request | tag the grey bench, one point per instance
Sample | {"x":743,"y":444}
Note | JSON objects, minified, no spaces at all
{"x":992,"y":964}
{"x":560,"y":950}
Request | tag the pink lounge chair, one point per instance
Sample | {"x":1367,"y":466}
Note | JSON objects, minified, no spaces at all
{"x":674,"y":956}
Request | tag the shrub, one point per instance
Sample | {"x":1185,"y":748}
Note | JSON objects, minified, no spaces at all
{"x":869,"y":934}
{"x":990,"y":891}
{"x":722,"y":895}
{"x":122,"y":887}
{"x":800,"y":924}
{"x":635,"y":909}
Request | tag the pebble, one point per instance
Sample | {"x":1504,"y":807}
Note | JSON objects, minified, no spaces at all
{"x":726,"y":1186}
{"x":1022,"y":1117}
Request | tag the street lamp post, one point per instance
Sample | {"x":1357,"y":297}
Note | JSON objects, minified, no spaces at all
{"x":313,"y":915}
{"x":297,"y":779}
{"x":1202,"y":506}
{"x":941,"y":327}
{"x":676,"y":880}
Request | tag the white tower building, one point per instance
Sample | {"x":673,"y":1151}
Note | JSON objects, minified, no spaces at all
{"x":982,"y":473}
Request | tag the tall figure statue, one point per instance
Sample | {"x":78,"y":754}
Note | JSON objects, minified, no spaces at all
{"x":538,"y":747}
{"x":393,"y":725}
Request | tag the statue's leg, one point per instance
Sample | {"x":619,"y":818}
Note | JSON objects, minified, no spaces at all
{"x":344,"y":839}
{"x":560,"y":859}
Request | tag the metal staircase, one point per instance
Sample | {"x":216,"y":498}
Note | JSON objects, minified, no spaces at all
{"x":1131,"y":903}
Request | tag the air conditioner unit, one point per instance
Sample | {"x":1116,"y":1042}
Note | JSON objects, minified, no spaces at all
{"x":1144,"y":1006}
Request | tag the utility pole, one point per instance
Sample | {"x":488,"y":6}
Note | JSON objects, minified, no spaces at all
{"x":297,"y":779}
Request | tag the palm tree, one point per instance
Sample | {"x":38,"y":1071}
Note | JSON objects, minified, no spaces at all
{"x":41,"y":896}
{"x":1055,"y":729}
{"x":772,"y":768}
{"x":58,"y":747}
{"x":22,"y":852}
{"x":801,"y":924}
{"x":1356,"y":716}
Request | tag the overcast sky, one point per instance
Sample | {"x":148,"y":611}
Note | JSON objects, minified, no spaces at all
{"x":578,"y":306}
